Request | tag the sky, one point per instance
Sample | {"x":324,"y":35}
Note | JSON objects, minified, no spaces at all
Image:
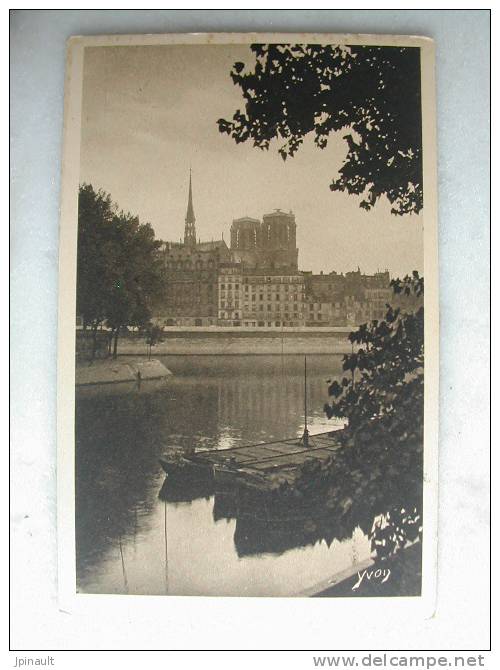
{"x":149,"y":114}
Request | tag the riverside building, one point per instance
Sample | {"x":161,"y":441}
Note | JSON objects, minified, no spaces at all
{"x":346,"y":299}
{"x":262,"y":298}
{"x":256,"y":283}
{"x":262,"y":287}
{"x":192,"y":267}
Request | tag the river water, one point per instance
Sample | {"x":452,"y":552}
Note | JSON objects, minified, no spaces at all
{"x":132,"y":539}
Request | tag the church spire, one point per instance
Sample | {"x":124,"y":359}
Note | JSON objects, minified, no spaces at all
{"x":189,"y":228}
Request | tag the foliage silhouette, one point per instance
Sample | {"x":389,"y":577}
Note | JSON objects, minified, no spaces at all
{"x":383,"y":401}
{"x":119,"y":267}
{"x":374,"y":480}
{"x":370,"y":93}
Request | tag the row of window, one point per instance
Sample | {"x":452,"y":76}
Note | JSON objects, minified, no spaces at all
{"x":262,"y":324}
{"x":261,"y":308}
{"x":296,"y":315}
{"x":269,"y":293}
{"x":260,"y":280}
{"x":235,"y":315}
{"x":197,"y":322}
{"x":230,"y":304}
{"x":269,"y":298}
{"x":319,"y":305}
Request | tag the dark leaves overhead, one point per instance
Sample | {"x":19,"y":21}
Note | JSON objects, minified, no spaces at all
{"x":372,"y":94}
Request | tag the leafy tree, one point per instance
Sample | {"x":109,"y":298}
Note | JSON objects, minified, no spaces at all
{"x":382,"y":398}
{"x":96,"y":261}
{"x":154,"y":335}
{"x":120,"y":270}
{"x":139,"y":275}
{"x":374,"y":479}
{"x":389,"y":369}
{"x":371,"y":93}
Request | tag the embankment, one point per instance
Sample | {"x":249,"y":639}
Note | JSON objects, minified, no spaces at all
{"x":119,"y":371}
{"x":241,"y":342}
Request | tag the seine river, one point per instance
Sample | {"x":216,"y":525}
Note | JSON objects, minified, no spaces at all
{"x":132,"y":539}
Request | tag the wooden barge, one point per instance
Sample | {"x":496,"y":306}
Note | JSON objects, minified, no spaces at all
{"x":262,"y":466}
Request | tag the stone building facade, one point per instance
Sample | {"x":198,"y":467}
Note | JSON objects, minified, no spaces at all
{"x":192,"y":267}
{"x":346,"y":299}
{"x":262,"y":286}
{"x":351,"y":298}
{"x":256,"y":282}
{"x":270,"y":243}
{"x":260,"y":298}
{"x":366,"y":296}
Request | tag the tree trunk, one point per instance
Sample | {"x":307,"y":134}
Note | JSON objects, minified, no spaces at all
{"x":94,"y":340}
{"x":115,"y":343}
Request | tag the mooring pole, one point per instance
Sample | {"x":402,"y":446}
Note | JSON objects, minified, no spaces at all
{"x":166,"y":546}
{"x":124,"y":572}
{"x":305,"y":435}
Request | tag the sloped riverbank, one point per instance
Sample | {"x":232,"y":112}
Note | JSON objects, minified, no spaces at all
{"x":399,"y":575}
{"x":120,"y":370}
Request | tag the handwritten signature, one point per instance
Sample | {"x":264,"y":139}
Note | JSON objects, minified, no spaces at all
{"x":379,"y":574}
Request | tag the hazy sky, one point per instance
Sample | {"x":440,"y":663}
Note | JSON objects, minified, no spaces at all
{"x":149,"y":113}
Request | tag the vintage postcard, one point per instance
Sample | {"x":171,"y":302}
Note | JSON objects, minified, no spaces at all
{"x":248,"y":333}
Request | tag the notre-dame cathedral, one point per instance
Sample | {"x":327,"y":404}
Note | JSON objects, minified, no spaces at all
{"x":192,"y":267}
{"x":210,"y":284}
{"x":270,"y":244}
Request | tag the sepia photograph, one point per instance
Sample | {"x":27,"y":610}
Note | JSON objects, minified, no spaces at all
{"x":248,"y":360}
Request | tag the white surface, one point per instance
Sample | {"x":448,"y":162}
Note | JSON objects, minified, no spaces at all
{"x":461,"y":620}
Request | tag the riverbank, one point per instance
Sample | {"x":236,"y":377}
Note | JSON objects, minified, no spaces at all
{"x":399,"y":575}
{"x":242,"y":342}
{"x":109,"y":371}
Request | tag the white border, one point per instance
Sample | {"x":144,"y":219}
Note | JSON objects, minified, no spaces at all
{"x":68,"y":599}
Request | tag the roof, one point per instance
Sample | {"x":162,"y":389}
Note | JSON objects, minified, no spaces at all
{"x":190,"y":218}
{"x":246,"y":219}
{"x":214,"y":244}
{"x":279,"y":213}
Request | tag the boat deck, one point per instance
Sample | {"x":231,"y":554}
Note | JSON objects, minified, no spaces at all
{"x":258,"y":463}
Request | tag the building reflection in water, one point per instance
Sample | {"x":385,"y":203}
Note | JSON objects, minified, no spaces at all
{"x":121,"y":522}
{"x":262,"y":525}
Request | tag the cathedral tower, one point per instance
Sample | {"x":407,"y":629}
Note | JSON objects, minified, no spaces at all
{"x":189,"y":228}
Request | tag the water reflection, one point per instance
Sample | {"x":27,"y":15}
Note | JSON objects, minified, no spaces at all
{"x":266,"y":522}
{"x":193,"y":541}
